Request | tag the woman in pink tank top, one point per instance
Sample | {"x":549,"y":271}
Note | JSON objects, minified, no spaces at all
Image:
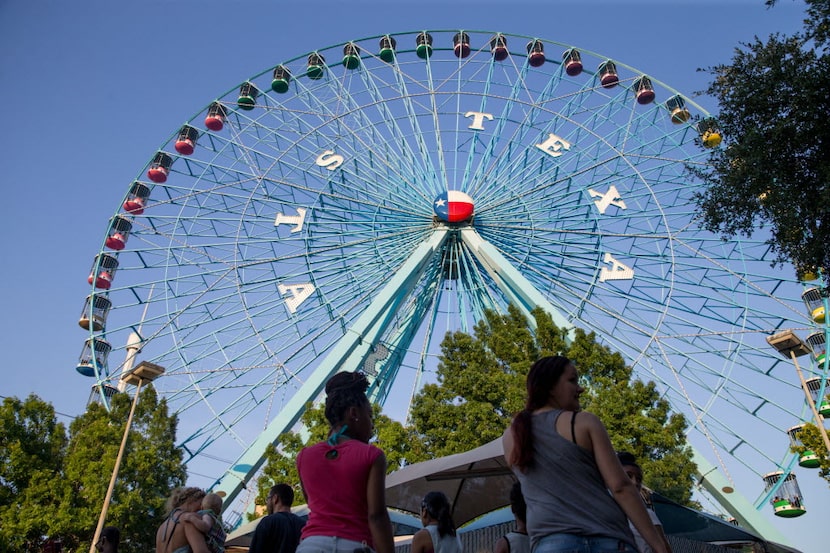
{"x":344,"y":477}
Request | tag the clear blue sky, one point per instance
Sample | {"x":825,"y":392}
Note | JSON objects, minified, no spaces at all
{"x":92,"y":89}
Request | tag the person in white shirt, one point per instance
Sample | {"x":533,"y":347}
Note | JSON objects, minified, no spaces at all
{"x":633,"y":470}
{"x":438,"y":534}
{"x":516,"y":541}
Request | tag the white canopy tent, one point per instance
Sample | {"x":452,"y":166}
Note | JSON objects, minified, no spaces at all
{"x":476,"y":482}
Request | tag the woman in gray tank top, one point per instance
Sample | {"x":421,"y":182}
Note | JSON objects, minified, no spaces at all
{"x":579,"y":499}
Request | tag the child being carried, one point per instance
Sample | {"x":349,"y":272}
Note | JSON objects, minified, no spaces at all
{"x":209,"y":522}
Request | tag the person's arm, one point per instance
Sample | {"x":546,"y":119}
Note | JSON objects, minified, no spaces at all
{"x":507,"y":444}
{"x":379,"y":523}
{"x":159,"y":541}
{"x":659,"y":525}
{"x":502,"y":546}
{"x":297,"y":464}
{"x":664,"y":538}
{"x":195,"y":539}
{"x":617,"y":481}
{"x":421,"y":542}
{"x":203,"y":522}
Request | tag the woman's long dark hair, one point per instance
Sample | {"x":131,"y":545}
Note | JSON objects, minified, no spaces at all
{"x":543,"y":376}
{"x":438,"y":507}
{"x":343,"y":390}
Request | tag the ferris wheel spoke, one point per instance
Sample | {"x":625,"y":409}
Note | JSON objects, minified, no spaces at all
{"x":410,"y":103}
{"x":365,"y":142}
{"x":392,"y":137}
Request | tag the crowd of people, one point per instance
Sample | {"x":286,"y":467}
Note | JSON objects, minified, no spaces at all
{"x":573,"y":493}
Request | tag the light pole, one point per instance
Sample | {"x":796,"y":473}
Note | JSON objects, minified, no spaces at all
{"x":788,"y":344}
{"x":144,"y":372}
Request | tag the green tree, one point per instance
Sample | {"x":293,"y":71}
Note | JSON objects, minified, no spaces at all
{"x":151,"y":467}
{"x":774,"y":171}
{"x":481,"y":384}
{"x":32,"y":446}
{"x":637,"y":418}
{"x":280,"y":461}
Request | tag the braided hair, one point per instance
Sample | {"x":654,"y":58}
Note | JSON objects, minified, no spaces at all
{"x":344,"y":390}
{"x":438,"y":507}
{"x":543,"y":376}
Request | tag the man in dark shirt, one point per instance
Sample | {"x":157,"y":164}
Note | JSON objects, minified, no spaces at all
{"x":108,"y":542}
{"x":279,"y":531}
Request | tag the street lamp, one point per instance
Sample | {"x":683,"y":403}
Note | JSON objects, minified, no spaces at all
{"x":143,"y":373}
{"x":788,"y":344}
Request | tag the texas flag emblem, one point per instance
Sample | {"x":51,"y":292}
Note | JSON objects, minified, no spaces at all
{"x":453,"y":206}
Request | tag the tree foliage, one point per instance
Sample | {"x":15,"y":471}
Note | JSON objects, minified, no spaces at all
{"x":638,"y":419}
{"x":32,"y":446}
{"x":280,"y":461}
{"x":480,"y":384}
{"x":774,"y":169}
{"x":59,"y":482}
{"x":151,"y":467}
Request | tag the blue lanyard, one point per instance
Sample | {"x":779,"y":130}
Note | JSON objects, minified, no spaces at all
{"x":332,"y":441}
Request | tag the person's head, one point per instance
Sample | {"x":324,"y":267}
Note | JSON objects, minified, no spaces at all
{"x":187,"y":499}
{"x":280,"y":498}
{"x":213,"y":502}
{"x":347,"y":404}
{"x":435,"y":507}
{"x":109,"y":539}
{"x":553,"y":381}
{"x":517,"y":503}
{"x":631,"y":468}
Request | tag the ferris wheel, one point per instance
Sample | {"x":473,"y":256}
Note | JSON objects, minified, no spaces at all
{"x":348,"y":207}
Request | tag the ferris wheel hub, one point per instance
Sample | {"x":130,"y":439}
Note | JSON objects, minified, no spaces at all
{"x":453,"y":207}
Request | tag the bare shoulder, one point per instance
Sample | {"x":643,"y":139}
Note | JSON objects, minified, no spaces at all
{"x":421,"y":541}
{"x":588,"y":419}
{"x":421,"y":537}
{"x":501,"y":545}
{"x":589,"y":430}
{"x":380,"y":461}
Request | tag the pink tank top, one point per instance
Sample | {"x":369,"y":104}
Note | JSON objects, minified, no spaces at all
{"x":335,"y":486}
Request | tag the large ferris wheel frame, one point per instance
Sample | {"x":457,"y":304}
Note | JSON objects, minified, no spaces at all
{"x":300,"y":238}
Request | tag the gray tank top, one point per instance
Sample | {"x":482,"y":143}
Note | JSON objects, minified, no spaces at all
{"x":564,"y":490}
